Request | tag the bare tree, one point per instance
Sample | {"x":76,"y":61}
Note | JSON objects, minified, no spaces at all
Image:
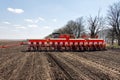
{"x":95,"y":25}
{"x":61,"y":31}
{"x":111,"y":35}
{"x":73,"y":27}
{"x":70,"y":27}
{"x":79,"y":27}
{"x":114,"y":19}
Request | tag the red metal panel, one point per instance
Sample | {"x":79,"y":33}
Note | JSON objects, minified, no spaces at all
{"x":37,"y":40}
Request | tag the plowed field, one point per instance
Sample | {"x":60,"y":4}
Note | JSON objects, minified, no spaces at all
{"x":98,"y":65}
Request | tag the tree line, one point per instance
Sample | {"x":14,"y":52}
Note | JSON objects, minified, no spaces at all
{"x":96,"y":24}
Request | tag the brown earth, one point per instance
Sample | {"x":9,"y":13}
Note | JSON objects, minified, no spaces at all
{"x":98,"y":65}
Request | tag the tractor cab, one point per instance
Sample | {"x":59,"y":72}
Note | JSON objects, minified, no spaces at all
{"x":55,"y":35}
{"x":67,"y":36}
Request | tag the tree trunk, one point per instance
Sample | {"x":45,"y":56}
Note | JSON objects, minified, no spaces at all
{"x":113,"y":37}
{"x":118,"y":41}
{"x":112,"y":41}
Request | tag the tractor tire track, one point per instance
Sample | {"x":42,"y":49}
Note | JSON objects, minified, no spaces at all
{"x":113,"y":73}
{"x":103,"y":60}
{"x":7,"y":68}
{"x":19,"y":67}
{"x":58,"y":72}
{"x":31,"y":73}
{"x":42,"y":69}
{"x":25,"y":71}
{"x":106,"y":55}
{"x":70,"y":68}
{"x":38,"y":67}
{"x":81,"y":70}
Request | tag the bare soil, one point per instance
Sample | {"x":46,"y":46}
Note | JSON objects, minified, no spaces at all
{"x":98,"y":65}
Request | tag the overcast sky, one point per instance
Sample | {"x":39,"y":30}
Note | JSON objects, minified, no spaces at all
{"x":23,"y":19}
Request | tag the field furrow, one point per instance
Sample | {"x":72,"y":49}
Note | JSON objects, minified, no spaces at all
{"x":16,"y":64}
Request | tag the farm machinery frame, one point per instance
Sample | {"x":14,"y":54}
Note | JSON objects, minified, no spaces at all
{"x":64,"y":42}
